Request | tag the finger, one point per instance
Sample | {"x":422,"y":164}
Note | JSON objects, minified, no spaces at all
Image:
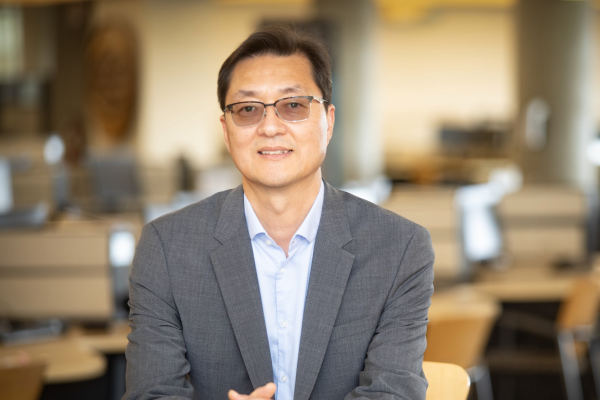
{"x":266,"y":391}
{"x":23,"y":358}
{"x":233,"y":395}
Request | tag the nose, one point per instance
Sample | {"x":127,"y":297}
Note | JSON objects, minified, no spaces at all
{"x":272,"y":124}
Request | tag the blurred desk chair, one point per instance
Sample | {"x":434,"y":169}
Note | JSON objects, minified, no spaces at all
{"x":574,"y":329}
{"x":434,"y":208}
{"x":23,"y":382}
{"x":460,"y":322}
{"x":546,"y":224}
{"x":446,"y":381}
{"x":75,"y":271}
{"x":59,"y":272}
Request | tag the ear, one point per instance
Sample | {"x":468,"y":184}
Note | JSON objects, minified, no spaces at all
{"x":330,"y":121}
{"x":225,"y":134}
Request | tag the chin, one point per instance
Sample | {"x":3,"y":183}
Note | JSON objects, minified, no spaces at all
{"x":275,"y":180}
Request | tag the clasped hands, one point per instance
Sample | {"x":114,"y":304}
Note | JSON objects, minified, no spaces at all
{"x":262,"y":393}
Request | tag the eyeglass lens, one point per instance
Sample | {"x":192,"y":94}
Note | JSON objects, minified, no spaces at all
{"x":290,"y":110}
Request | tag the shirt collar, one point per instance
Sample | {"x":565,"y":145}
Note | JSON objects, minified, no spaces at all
{"x":254,"y":225}
{"x":307,"y":230}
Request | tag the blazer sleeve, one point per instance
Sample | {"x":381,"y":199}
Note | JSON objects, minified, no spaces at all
{"x":394,"y":363}
{"x":156,"y":353}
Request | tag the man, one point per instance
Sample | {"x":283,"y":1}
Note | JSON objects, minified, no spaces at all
{"x":283,"y":286}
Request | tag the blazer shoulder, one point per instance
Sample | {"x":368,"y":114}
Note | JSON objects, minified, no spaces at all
{"x":204,"y":213}
{"x":364,"y":215}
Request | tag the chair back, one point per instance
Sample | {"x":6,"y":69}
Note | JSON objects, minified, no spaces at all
{"x":22,"y":382}
{"x":460,"y":322}
{"x":580,"y":308}
{"x":446,"y":381}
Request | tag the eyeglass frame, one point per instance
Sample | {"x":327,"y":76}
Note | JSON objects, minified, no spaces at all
{"x":310,"y":98}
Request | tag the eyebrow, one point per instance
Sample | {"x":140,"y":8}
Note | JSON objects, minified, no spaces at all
{"x":291,"y":89}
{"x":245,"y":93}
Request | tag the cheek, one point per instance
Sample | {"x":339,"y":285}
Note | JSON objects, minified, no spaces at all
{"x":238,"y":146}
{"x":315,"y":145}
{"x":323,"y":137}
{"x":315,"y":148}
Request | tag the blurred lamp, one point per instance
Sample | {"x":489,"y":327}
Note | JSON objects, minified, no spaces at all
{"x":537,"y":115}
{"x":121,"y":248}
{"x":482,"y":239}
{"x":6,"y":196}
{"x":54,"y":150}
{"x":593,"y":152}
{"x":509,"y":179}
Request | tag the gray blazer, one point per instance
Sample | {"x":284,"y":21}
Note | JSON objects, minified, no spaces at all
{"x":197,"y":322}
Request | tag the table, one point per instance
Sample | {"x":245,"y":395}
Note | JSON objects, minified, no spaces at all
{"x":66,"y":359}
{"x":77,"y":355}
{"x":528,"y":282}
{"x":460,"y":301}
{"x":112,"y":341}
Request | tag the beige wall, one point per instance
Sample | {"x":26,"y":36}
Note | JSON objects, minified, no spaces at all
{"x":596,"y":82}
{"x":183,"y":44}
{"x":455,"y":66}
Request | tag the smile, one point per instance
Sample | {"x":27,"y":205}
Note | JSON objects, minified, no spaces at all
{"x":275,"y":152}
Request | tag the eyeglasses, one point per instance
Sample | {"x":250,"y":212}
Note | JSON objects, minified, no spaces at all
{"x":289,"y":109}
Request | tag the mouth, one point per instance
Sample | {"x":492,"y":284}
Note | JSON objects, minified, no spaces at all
{"x":274,"y":152}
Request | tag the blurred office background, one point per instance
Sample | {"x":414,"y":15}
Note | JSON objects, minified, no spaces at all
{"x":478,"y":119}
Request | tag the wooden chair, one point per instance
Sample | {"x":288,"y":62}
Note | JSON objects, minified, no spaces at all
{"x":460,"y":322}
{"x":574,"y":330}
{"x":446,"y":381}
{"x":22,"y":382}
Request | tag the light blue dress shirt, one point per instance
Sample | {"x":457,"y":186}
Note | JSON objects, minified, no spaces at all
{"x":283,"y":284}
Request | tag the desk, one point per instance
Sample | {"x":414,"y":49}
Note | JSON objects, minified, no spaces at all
{"x":113,"y":341}
{"x":527,"y":283}
{"x":66,"y":359}
{"x":77,"y":355}
{"x":463,"y":300}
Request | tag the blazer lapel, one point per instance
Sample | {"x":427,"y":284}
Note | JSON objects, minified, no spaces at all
{"x":329,"y":274}
{"x":234,"y":268}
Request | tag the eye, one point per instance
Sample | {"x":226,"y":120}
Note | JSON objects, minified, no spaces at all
{"x":294,"y":105}
{"x":248,"y":109}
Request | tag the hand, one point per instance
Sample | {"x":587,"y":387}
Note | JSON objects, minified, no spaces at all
{"x":262,"y":393}
{"x":15,"y":360}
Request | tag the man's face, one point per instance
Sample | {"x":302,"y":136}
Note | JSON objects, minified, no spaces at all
{"x":268,"y":79}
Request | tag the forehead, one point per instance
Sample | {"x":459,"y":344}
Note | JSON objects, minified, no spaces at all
{"x":270,"y":75}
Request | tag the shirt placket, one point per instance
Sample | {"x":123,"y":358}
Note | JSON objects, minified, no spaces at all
{"x":282,"y":282}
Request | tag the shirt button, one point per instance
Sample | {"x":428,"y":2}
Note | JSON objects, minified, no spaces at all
{"x":284,"y":379}
{"x":282,"y":271}
{"x":268,"y":242}
{"x":284,"y":324}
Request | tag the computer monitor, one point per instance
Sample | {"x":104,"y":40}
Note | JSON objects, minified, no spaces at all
{"x":115,"y":183}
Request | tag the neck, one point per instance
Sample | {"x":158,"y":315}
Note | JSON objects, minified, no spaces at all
{"x":282,"y":210}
